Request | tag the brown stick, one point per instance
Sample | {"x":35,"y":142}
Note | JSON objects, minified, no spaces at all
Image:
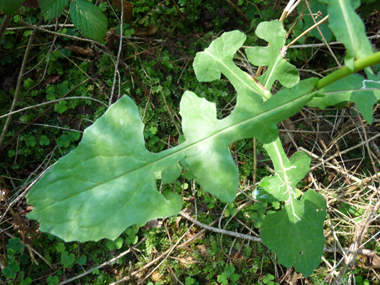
{"x":4,"y":25}
{"x":176,"y":6}
{"x":239,"y":11}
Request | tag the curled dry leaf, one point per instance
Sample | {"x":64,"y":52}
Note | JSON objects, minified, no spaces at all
{"x":128,"y":9}
{"x":50,"y":80}
{"x":147,"y":31}
{"x":79,"y":50}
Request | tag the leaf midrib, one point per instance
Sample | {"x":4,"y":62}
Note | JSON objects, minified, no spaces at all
{"x":272,"y":71}
{"x":289,"y":189}
{"x":235,"y":75}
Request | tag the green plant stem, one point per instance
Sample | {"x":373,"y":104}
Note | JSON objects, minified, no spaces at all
{"x":345,"y":71}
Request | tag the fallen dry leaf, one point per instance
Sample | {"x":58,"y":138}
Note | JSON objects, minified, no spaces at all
{"x":128,"y":9}
{"x":145,"y":31}
{"x":50,"y":80}
{"x":82,"y":51}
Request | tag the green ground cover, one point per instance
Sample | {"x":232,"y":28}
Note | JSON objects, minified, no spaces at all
{"x":67,"y":85}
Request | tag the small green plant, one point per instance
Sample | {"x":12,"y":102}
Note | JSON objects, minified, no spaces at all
{"x":231,"y":210}
{"x":52,"y":280}
{"x":108,"y":183}
{"x":44,"y":140}
{"x":82,"y":260}
{"x":53,"y":92}
{"x":132,"y":237}
{"x":191,"y":281}
{"x":228,"y":275}
{"x":30,"y":140}
{"x":210,"y":200}
{"x":60,"y":107}
{"x":67,"y":259}
{"x":150,"y":134}
{"x":118,"y":243}
{"x":14,"y":247}
{"x":26,"y":281}
{"x":361,"y":281}
{"x":65,"y":140}
{"x":268,"y":280}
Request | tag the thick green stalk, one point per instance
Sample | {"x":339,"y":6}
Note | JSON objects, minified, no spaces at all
{"x":345,"y":71}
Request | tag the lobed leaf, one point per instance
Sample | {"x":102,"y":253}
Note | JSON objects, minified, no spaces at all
{"x":297,"y":243}
{"x":107,"y":183}
{"x":271,"y":56}
{"x":89,"y":19}
{"x":218,"y":59}
{"x":298,"y":221}
{"x":349,"y":29}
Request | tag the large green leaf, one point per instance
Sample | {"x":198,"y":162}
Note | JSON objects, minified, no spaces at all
{"x":9,"y":7}
{"x":89,"y":19}
{"x":271,"y":56}
{"x":349,"y":29}
{"x":107,"y":183}
{"x":297,"y":243}
{"x":295,"y":233}
{"x":52,"y":8}
{"x":353,"y":88}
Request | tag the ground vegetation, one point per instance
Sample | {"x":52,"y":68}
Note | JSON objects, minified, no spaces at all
{"x":57,"y":80}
